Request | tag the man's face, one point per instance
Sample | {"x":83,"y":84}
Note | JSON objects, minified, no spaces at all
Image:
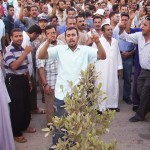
{"x":51,"y":34}
{"x":45,"y":9}
{"x":116,"y":18}
{"x":86,"y":7}
{"x":133,"y":6}
{"x":108,"y":31}
{"x":26,"y":13}
{"x":71,"y":23}
{"x":148,"y":10}
{"x":54,"y":22}
{"x":34,"y":12}
{"x":11,"y":11}
{"x":141,"y":12}
{"x":103,"y":5}
{"x":97,"y":23}
{"x":19,"y":2}
{"x":145,"y":26}
{"x":33,"y":36}
{"x":61,"y":6}
{"x":17,"y":38}
{"x":80,"y":23}
{"x":71,"y":13}
{"x":124,"y":20}
{"x":68,"y":4}
{"x":124,"y":10}
{"x":71,"y":38}
{"x":42,"y":24}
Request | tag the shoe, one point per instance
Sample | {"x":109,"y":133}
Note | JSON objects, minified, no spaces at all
{"x":135,"y":108}
{"x":127,"y":100}
{"x":99,"y":112}
{"x":30,"y":130}
{"x":135,"y":119}
{"x":116,"y":109}
{"x":20,"y":139}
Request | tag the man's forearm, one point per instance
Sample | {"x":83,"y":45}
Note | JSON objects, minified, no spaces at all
{"x":43,"y":54}
{"x":42,"y":75}
{"x":101,"y":51}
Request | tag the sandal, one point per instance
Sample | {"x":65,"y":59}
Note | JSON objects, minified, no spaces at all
{"x":38,"y":111}
{"x":20,"y":139}
{"x":30,"y":130}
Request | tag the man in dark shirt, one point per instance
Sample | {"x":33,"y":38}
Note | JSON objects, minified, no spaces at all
{"x":9,"y":23}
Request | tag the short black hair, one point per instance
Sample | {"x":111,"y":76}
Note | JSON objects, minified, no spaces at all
{"x":113,"y":13}
{"x":115,"y":7}
{"x":70,"y":17}
{"x":49,"y":27}
{"x":70,"y":9}
{"x":88,"y":13}
{"x":27,"y":7}
{"x":97,"y":17}
{"x":34,"y":28}
{"x":103,"y":27}
{"x":52,"y":17}
{"x":124,"y":5}
{"x":10,"y":6}
{"x":15,"y":30}
{"x":72,"y":28}
{"x":125,"y":15}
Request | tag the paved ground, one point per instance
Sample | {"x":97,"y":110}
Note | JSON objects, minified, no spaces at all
{"x":130,"y":136}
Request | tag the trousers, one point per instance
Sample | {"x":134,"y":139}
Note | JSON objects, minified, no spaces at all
{"x":19,"y":92}
{"x":143,"y":88}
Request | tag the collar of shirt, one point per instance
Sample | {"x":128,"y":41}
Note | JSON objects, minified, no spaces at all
{"x":78,"y":48}
{"x":16,"y":47}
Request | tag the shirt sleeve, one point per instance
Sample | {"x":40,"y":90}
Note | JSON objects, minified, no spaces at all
{"x":53,"y":52}
{"x":92,"y":54}
{"x":133,"y":38}
{"x":9,"y":58}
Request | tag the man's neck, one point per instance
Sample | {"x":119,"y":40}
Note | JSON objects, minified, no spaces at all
{"x":147,"y":38}
{"x":98,"y":31}
{"x":108,"y":39}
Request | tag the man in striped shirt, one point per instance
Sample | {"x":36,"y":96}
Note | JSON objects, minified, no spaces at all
{"x":143,"y":85}
{"x":18,"y":84}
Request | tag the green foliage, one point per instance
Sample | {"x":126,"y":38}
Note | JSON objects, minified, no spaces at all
{"x":83,"y":127}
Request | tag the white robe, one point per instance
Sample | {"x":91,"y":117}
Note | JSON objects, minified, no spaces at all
{"x":108,"y":74}
{"x":6,"y":135}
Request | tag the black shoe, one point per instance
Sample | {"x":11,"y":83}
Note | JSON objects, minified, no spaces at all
{"x":99,"y":112}
{"x":135,"y":119}
{"x":135,"y":108}
{"x":116,"y":109}
{"x":127,"y":100}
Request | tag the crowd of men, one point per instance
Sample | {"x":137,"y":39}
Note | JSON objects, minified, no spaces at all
{"x":49,"y":42}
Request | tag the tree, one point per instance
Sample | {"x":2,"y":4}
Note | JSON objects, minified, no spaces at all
{"x":83,"y":127}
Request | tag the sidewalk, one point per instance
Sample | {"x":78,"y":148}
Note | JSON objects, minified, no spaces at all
{"x":130,"y":136}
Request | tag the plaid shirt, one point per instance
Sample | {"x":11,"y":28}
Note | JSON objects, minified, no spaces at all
{"x":50,"y":66}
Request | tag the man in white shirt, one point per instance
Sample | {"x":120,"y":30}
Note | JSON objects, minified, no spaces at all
{"x":109,"y":69}
{"x":143,"y":85}
{"x":72,"y":58}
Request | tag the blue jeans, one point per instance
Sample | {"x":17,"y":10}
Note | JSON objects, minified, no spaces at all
{"x":59,"y":111}
{"x":127,"y":71}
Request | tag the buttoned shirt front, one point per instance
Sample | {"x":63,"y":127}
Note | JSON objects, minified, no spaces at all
{"x":144,"y":47}
{"x":70,"y":64}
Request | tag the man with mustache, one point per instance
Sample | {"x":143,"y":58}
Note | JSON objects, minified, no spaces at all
{"x":59,"y":10}
{"x":72,"y":22}
{"x":72,"y":58}
{"x":97,"y":20}
{"x":143,"y":84}
{"x":18,"y":83}
{"x":47,"y":70}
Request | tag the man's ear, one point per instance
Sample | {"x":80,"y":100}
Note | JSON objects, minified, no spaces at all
{"x":11,"y":38}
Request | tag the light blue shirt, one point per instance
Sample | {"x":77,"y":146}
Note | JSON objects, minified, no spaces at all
{"x":124,"y":46}
{"x":70,"y":64}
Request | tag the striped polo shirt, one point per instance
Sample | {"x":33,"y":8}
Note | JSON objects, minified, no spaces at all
{"x":13,"y":53}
